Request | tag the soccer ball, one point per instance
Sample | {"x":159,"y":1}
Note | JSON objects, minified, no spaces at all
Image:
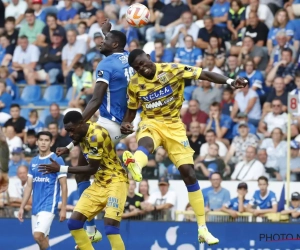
{"x":138,"y":15}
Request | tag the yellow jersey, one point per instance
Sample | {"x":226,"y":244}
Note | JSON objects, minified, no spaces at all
{"x":98,"y":145}
{"x":161,"y":97}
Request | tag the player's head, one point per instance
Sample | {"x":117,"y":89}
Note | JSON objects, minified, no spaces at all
{"x":141,"y":63}
{"x":44,"y":141}
{"x":263,"y":183}
{"x":73,"y":123}
{"x":114,"y":41}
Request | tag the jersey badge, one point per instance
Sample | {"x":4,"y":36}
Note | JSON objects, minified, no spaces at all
{"x":100,"y":73}
{"x":162,"y":78}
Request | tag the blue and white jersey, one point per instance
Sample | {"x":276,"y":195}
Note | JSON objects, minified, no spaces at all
{"x":256,"y":79}
{"x":46,"y":188}
{"x":189,"y":56}
{"x":37,"y":127}
{"x":116,"y":72}
{"x":234,"y":204}
{"x":263,"y":202}
{"x":289,"y":30}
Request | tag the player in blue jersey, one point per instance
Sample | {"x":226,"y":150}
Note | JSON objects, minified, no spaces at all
{"x":263,"y":201}
{"x":46,"y":192}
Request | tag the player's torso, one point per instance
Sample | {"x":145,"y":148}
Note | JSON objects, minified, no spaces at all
{"x":162,"y":97}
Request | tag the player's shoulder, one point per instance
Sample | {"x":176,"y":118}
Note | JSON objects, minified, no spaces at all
{"x":271,"y":194}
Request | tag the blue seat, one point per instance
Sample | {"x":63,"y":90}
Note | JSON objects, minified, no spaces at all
{"x":25,"y":113}
{"x":53,"y":94}
{"x":44,"y":114}
{"x":68,"y":98}
{"x":30,"y":94}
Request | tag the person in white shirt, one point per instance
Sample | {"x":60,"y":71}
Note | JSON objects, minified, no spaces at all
{"x":16,"y":9}
{"x":249,"y":169}
{"x":13,"y":141}
{"x":210,"y":63}
{"x":163,"y":202}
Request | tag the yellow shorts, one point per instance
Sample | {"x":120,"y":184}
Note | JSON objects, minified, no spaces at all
{"x":171,"y":136}
{"x":95,"y":198}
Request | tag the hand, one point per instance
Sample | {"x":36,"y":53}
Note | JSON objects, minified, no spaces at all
{"x":106,"y":26}
{"x":256,"y":212}
{"x":3,"y":182}
{"x":131,"y":207}
{"x":28,"y":207}
{"x":283,"y":63}
{"x":240,"y":197}
{"x":233,"y":214}
{"x":216,"y":115}
{"x":244,"y":50}
{"x":53,"y":167}
{"x":62,"y":151}
{"x":239,"y":83}
{"x":126,"y":128}
{"x":20,"y":214}
{"x":62,"y":215}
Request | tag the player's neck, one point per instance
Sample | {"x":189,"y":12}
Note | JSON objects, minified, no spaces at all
{"x":46,"y":153}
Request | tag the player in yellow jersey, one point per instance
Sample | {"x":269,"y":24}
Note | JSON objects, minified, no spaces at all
{"x":159,"y":89}
{"x":109,"y":189}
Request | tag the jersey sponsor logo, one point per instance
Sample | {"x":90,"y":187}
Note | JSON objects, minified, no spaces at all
{"x":100,"y":73}
{"x":113,"y":202}
{"x":165,"y":91}
{"x":157,"y":104}
{"x":185,"y":144}
{"x":40,"y":179}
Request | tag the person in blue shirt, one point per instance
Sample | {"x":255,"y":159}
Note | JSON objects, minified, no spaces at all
{"x":16,"y":161}
{"x":66,"y":15}
{"x":263,"y":201}
{"x":73,"y":198}
{"x":239,"y":203}
{"x":5,"y":102}
{"x":46,"y":192}
{"x":160,"y":54}
{"x":219,"y":12}
{"x":242,"y":117}
{"x":294,"y":208}
{"x":33,"y":123}
{"x":39,"y":13}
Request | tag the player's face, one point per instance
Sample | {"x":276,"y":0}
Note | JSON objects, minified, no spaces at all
{"x":74,"y":131}
{"x":263,"y":186}
{"x":44,"y":143}
{"x":106,"y":46}
{"x":144,"y":66}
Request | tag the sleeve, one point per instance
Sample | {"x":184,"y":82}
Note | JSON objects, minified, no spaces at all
{"x":169,"y":57}
{"x":226,"y":197}
{"x":227,"y":123}
{"x":258,"y":81}
{"x":177,"y":55}
{"x":253,"y":93}
{"x":212,"y":9}
{"x":152,"y":199}
{"x":289,"y":29}
{"x":273,"y":199}
{"x":60,"y":15}
{"x":171,"y":198}
{"x":81,"y":48}
{"x":133,"y":101}
{"x":35,"y":54}
{"x":26,"y":126}
{"x":228,"y":204}
{"x":88,"y":81}
{"x":30,"y":174}
{"x":270,"y":34}
{"x":186,"y":72}
{"x":176,"y":31}
{"x":263,"y":11}
{"x":74,"y":81}
{"x":203,"y":150}
{"x":21,"y":32}
{"x":9,"y":50}
{"x":270,"y":96}
{"x":229,"y":16}
{"x":253,"y":200}
{"x":23,"y":7}
{"x":64,"y":53}
{"x":96,"y":145}
{"x":104,"y":73}
{"x":200,"y":33}
{"x":198,"y":55}
{"x":236,"y":170}
{"x":243,"y":15}
{"x":61,"y":162}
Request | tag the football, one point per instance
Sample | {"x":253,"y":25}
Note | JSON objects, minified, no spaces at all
{"x":138,"y":15}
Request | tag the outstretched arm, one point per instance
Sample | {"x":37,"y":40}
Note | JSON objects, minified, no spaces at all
{"x":220,"y":79}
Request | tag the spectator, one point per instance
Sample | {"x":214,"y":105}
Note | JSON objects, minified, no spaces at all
{"x":16,"y":9}
{"x":11,"y":88}
{"x":264,"y":200}
{"x":6,"y":51}
{"x":86,"y":14}
{"x":24,"y":61}
{"x":294,"y":209}
{"x":239,"y":203}
{"x":240,"y":144}
{"x":257,"y":30}
{"x":73,"y":198}
{"x":30,"y":148}
{"x":55,"y":116}
{"x":160,"y":53}
{"x":144,"y":190}
{"x":134,"y":44}
{"x":215,"y":49}
{"x":66,"y":15}
{"x":232,"y":67}
{"x":5,"y":102}
{"x":10,"y":30}
{"x":227,"y":101}
{"x":181,"y":31}
{"x":250,"y":169}
{"x":94,"y":52}
{"x":156,"y":166}
{"x":81,"y":32}
{"x":211,"y":138}
{"x":166,"y":21}
{"x":210,"y":64}
{"x":162,"y":202}
{"x":276,"y":118}
{"x":72,"y":159}
{"x":16,"y":161}
{"x":243,"y":118}
{"x":272,"y":172}
{"x":33,"y":123}
{"x":57,"y":141}
{"x":120,"y":148}
{"x":196,"y":138}
{"x":217,"y":196}
{"x":236,"y":19}
{"x":219,"y":12}
{"x":39,"y":12}
{"x":16,"y":120}
{"x":72,"y":53}
{"x":132,"y":208}
{"x":96,"y":27}
{"x":210,"y":164}
{"x":247,"y":101}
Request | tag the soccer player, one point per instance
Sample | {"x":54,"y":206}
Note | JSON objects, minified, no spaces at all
{"x":109,"y":189}
{"x":113,"y":75}
{"x":46,"y":192}
{"x":159,"y":88}
{"x":4,"y":159}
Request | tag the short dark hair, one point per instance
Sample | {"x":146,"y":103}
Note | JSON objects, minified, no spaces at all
{"x":159,"y":41}
{"x":73,"y":116}
{"x":264,"y":178}
{"x":53,"y":123}
{"x":10,"y":19}
{"x":29,"y":11}
{"x":211,"y":131}
{"x":120,"y":37}
{"x":229,"y":90}
{"x":78,"y":65}
{"x":134,"y":54}
{"x":287,"y":50}
{"x":51,"y":15}
{"x":23,"y":37}
{"x":31,"y":132}
{"x":216,"y":104}
{"x":15,"y":106}
{"x":47,"y":133}
{"x":34,"y":112}
{"x":83,"y":23}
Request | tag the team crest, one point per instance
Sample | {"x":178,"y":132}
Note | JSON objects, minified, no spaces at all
{"x":100,"y":73}
{"x":163,"y":78}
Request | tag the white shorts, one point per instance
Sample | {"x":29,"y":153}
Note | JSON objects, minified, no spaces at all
{"x":42,"y":222}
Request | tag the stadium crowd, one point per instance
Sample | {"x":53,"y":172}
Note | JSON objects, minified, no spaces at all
{"x":236,"y":135}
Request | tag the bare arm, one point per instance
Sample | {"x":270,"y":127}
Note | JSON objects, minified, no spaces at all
{"x":130,"y":115}
{"x":250,"y":104}
{"x":64,"y":192}
{"x":41,"y":40}
{"x":27,"y":193}
{"x":201,"y":44}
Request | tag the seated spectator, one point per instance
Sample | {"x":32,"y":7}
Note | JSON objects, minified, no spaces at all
{"x":156,"y":166}
{"x":209,"y":29}
{"x":44,"y":39}
{"x":264,"y":200}
{"x":94,"y":52}
{"x":219,"y":12}
{"x":272,"y":172}
{"x":206,"y":94}
{"x":264,"y":13}
{"x":247,"y":101}
{"x":11,"y":31}
{"x":132,"y":208}
{"x":120,"y":149}
{"x":86,"y":14}
{"x":227,"y":101}
{"x":11,"y":88}
{"x":160,"y":53}
{"x":55,"y":116}
{"x":281,"y":23}
{"x":236,"y":19}
{"x":250,"y":169}
{"x":239,"y":203}
{"x":162,"y":202}
{"x":188,"y":54}
{"x":32,"y":28}
{"x":33,"y":123}
{"x":13,"y":141}
{"x":39,"y":12}
{"x":210,"y":164}
{"x":257,"y":30}
{"x":30,"y":148}
{"x":210,"y":65}
{"x":220,"y":123}
{"x":66,"y":15}
{"x":294,"y":209}
{"x":285,"y":69}
{"x":6,"y":51}
{"x":199,"y":8}
{"x":130,"y":32}
{"x":5,"y":102}
{"x":81,"y":32}
{"x":134,"y":44}
{"x":217,"y":196}
{"x":173,"y":172}
{"x":16,"y":161}
{"x":240,"y":144}
{"x":232,"y":67}
{"x":196,"y":138}
{"x":17,"y":121}
{"x":186,"y":28}
{"x":82,"y":82}
{"x":211,"y":138}
{"x":96,"y":27}
{"x":243,"y":118}
{"x":24,"y":61}
{"x":251,"y":51}
{"x":276,"y":118}
{"x":57,"y":141}
{"x":215,"y":49}
{"x":277,"y":92}
{"x":144,"y":190}
{"x":73,"y":198}
{"x":16,"y":9}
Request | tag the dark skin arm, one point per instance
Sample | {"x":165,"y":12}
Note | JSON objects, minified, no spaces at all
{"x":126,"y":127}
